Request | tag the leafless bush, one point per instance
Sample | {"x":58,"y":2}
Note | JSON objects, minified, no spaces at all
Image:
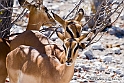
{"x":100,"y":17}
{"x":5,"y":16}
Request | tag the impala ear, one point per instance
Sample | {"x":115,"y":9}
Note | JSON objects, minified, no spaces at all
{"x":60,"y":35}
{"x":79,"y":15}
{"x":25,"y":4}
{"x":59,"y":19}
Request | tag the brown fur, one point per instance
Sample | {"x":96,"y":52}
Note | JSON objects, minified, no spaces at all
{"x":4,"y":50}
{"x":37,"y":16}
{"x":36,"y":40}
{"x":27,"y":64}
{"x":44,"y":68}
{"x":74,"y":25}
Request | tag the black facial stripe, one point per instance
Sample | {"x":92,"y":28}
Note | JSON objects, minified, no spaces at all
{"x":77,"y":33}
{"x":69,"y":53}
{"x":67,"y":29}
{"x":71,"y":23}
{"x":76,"y":48}
{"x":64,"y":48}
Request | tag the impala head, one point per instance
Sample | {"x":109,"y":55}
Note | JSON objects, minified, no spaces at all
{"x":73,"y":26}
{"x":71,"y":46}
{"x":38,"y":15}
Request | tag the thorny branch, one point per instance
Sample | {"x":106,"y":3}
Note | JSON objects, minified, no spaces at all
{"x":119,"y":13}
{"x":5,"y":15}
{"x":9,"y":9}
{"x":5,"y":8}
{"x":12,"y":23}
{"x":95,"y":17}
{"x":76,"y":7}
{"x":105,"y":22}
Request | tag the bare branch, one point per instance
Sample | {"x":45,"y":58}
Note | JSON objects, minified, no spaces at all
{"x":105,"y":21}
{"x":12,"y":23}
{"x":74,"y":8}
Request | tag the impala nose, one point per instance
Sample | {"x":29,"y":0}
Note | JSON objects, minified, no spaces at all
{"x":69,"y":62}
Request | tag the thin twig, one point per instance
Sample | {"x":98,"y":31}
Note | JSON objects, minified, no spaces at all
{"x":92,"y":17}
{"x":13,"y":22}
{"x":117,"y":16}
{"x":104,"y":23}
{"x":74,"y":8}
{"x":53,"y":32}
{"x":5,"y":8}
{"x":99,"y":38}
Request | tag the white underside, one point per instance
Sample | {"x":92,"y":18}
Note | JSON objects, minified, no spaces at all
{"x":27,"y":79}
{"x":16,"y":76}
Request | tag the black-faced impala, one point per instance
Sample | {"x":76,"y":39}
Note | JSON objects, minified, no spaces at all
{"x":72,"y":27}
{"x":27,"y":65}
{"x":34,"y":39}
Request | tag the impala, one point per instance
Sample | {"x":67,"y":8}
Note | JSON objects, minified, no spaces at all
{"x":27,"y":65}
{"x":4,"y":50}
{"x":31,"y":38}
{"x":72,"y":27}
{"x":27,"y":37}
{"x":37,"y":16}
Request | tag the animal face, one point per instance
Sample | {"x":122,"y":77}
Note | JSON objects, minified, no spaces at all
{"x":72,"y":27}
{"x":38,"y":15}
{"x":70,"y":46}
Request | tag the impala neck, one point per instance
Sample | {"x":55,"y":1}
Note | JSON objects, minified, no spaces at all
{"x":34,"y":23}
{"x":65,"y":73}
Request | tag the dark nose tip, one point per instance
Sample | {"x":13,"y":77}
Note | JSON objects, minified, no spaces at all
{"x":69,"y":60}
